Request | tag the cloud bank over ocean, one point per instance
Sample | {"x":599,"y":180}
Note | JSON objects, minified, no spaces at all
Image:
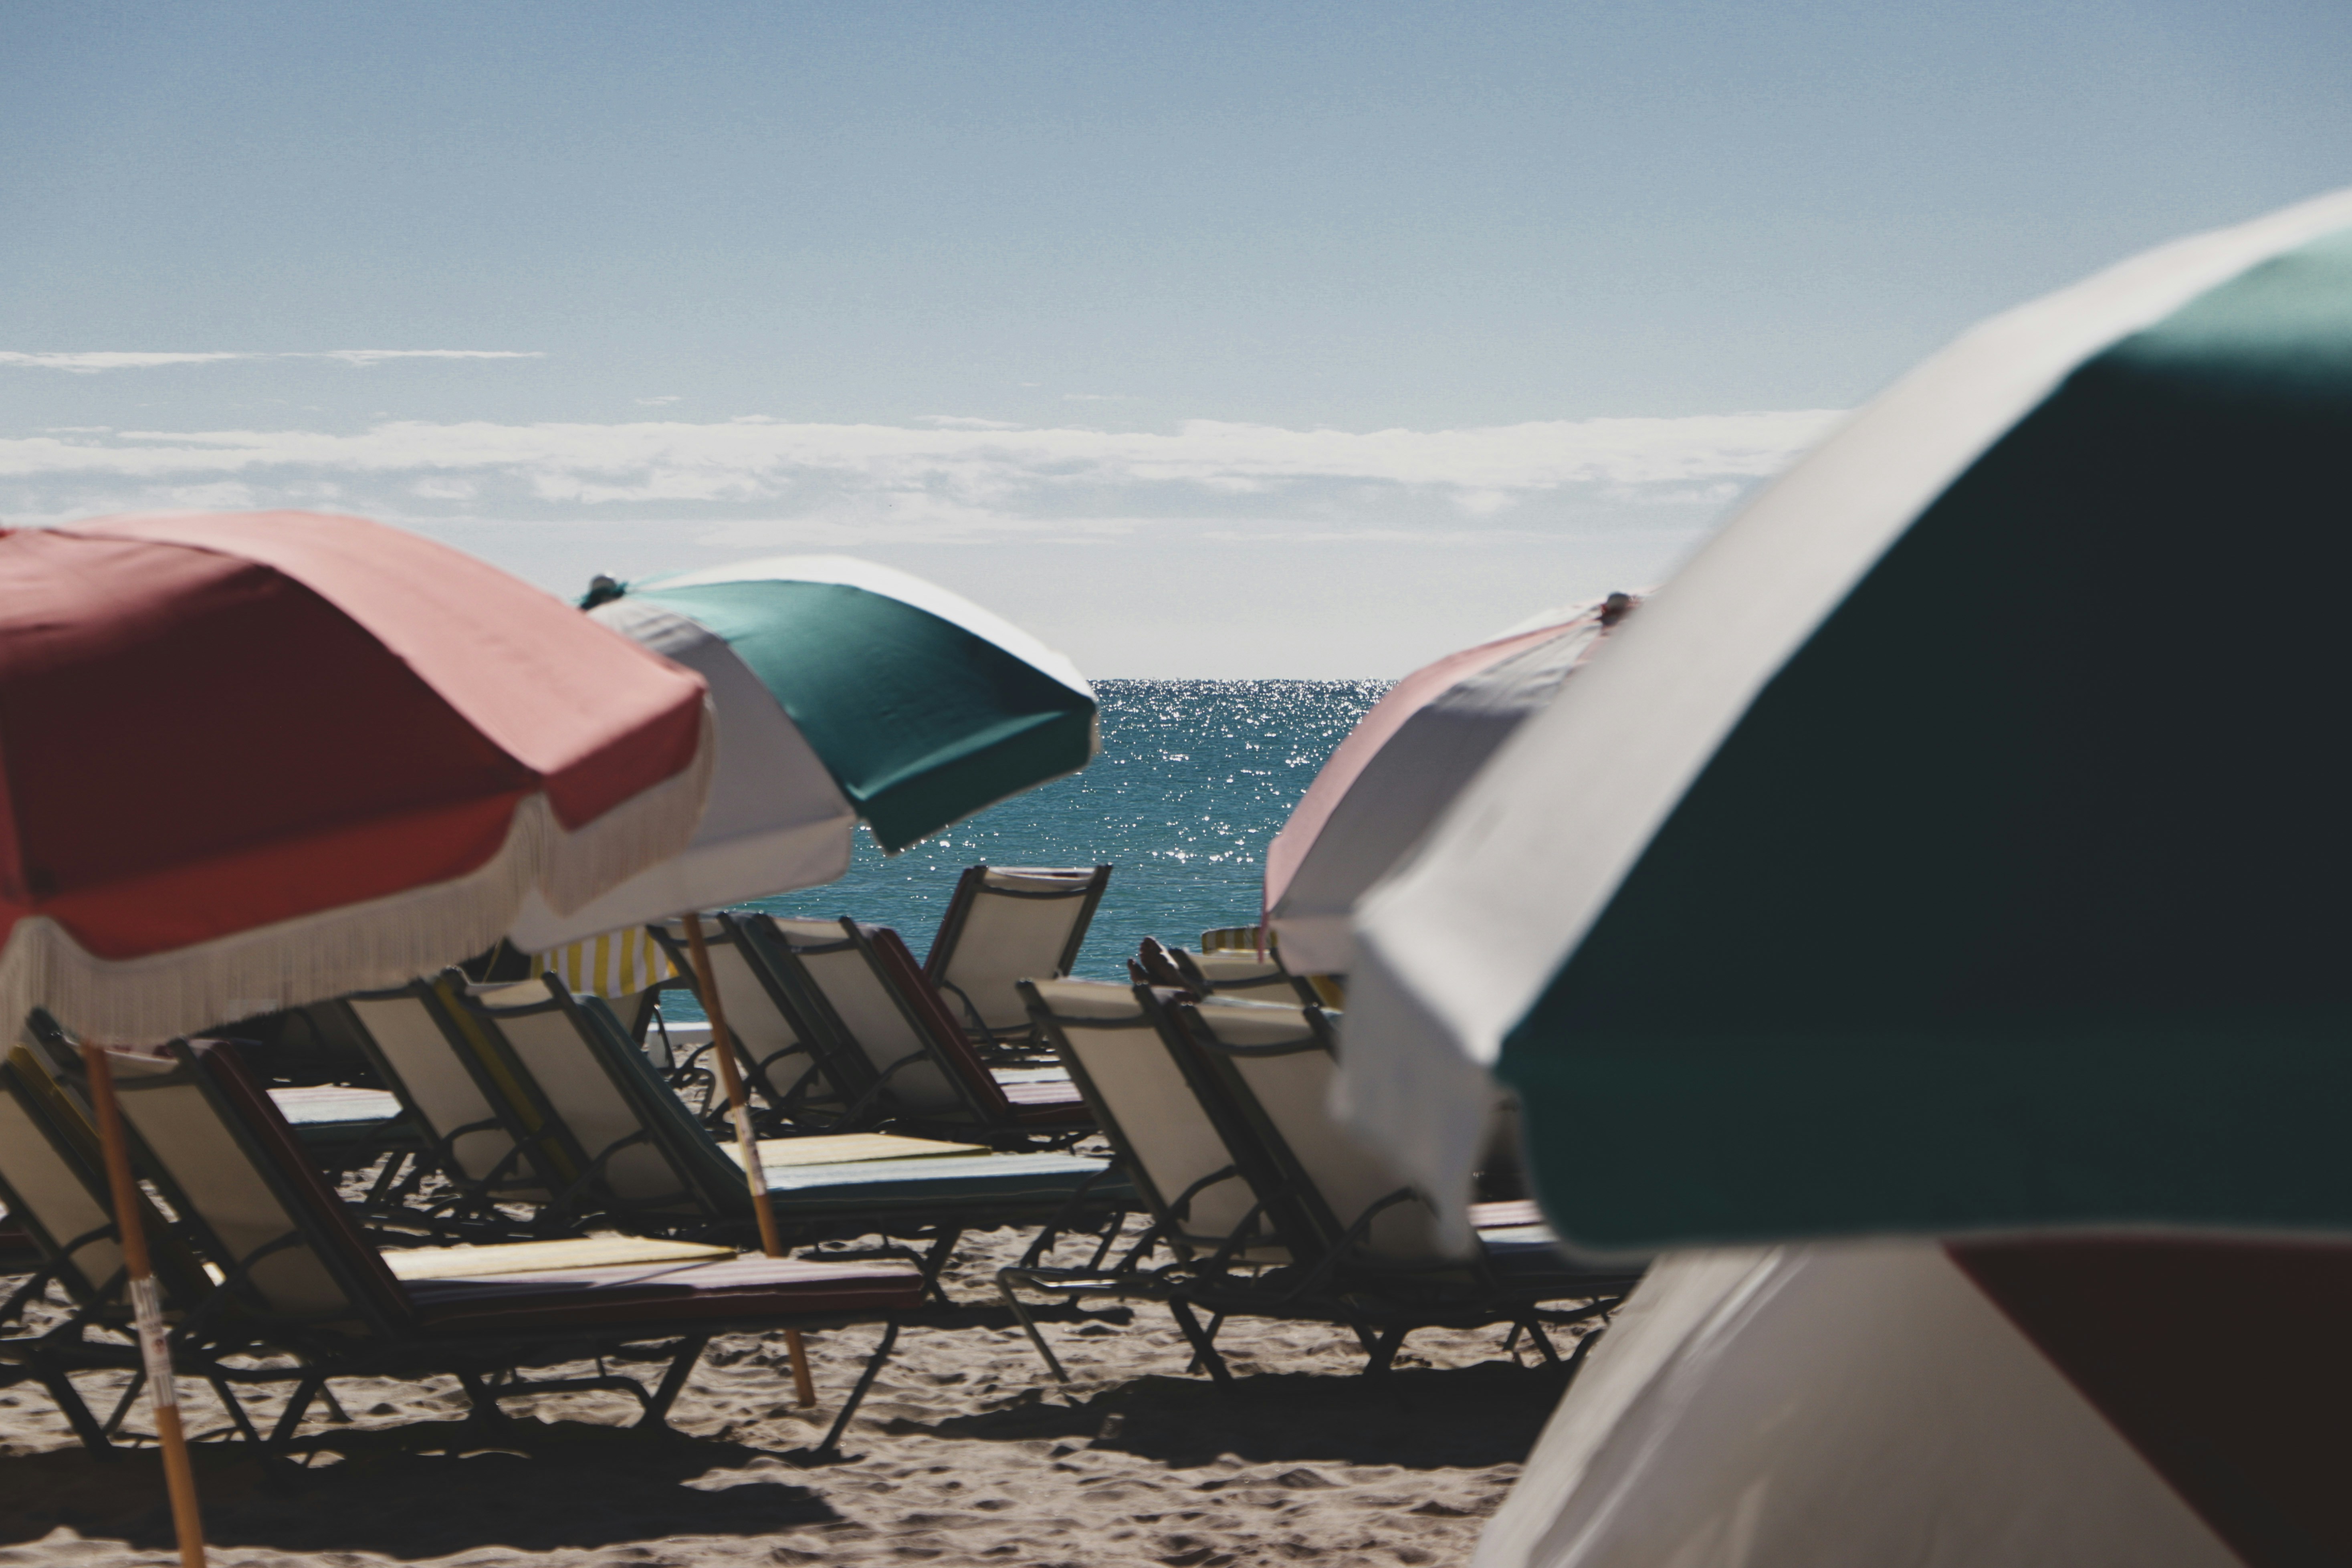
{"x":764,"y":483}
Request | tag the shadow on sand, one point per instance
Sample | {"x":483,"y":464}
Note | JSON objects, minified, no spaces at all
{"x":437,"y":1489}
{"x":427,"y":1490}
{"x":1421,"y":1419}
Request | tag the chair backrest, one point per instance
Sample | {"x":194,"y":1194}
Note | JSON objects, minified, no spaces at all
{"x":1243,"y":976}
{"x":1278,"y":1065}
{"x":883,"y":1016}
{"x":1145,"y":1103}
{"x":1157,"y":964}
{"x":641,"y":1148}
{"x":66,"y":1202}
{"x":237,"y":1176}
{"x":774,"y":1045}
{"x":444,"y":1085}
{"x":1007,"y":923}
{"x":50,"y":1178}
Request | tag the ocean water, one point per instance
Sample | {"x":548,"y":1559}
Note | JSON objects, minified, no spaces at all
{"x":1194,"y":777}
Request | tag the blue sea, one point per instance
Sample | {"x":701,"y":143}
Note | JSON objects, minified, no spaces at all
{"x":1194,"y":777}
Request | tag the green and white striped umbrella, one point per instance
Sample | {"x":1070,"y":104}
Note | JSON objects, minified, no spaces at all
{"x":845,"y":691}
{"x":1963,"y":840}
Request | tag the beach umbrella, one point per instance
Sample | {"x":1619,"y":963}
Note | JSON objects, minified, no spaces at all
{"x":1387,"y":780}
{"x":252,"y":760}
{"x":845,"y":691}
{"x":1958,"y":841}
{"x":2035,"y":1405}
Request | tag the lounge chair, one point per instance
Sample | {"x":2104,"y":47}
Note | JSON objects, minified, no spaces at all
{"x":1201,"y":1202}
{"x":1244,"y":976}
{"x":50,"y":1177}
{"x":1009,"y":923}
{"x":52,"y":1172}
{"x":781,"y":1059}
{"x":304,"y":1300}
{"x":1329,"y":1232}
{"x":861,"y":990}
{"x":646,"y":1162}
{"x":488,"y":1144}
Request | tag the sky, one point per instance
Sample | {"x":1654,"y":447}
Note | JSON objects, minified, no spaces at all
{"x":1201,"y":340}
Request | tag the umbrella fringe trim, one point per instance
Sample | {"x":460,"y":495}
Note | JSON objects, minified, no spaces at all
{"x":381,"y":942}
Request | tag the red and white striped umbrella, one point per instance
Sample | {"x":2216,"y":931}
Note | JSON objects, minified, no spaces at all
{"x":255,"y":759}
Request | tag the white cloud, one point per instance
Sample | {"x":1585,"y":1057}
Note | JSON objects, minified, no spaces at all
{"x":91,"y":362}
{"x":373,"y":357}
{"x":760,"y":482}
{"x":658,"y":402}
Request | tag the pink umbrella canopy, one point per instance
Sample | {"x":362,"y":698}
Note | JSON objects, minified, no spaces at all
{"x":253,"y":760}
{"x":1398,"y":769}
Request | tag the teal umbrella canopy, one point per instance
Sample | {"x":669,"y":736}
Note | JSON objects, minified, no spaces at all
{"x":1961,"y":842}
{"x":923,"y":707}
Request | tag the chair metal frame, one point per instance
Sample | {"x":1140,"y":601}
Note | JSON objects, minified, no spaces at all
{"x":971,"y":888}
{"x":1327,"y":1278}
{"x":234,"y":1337}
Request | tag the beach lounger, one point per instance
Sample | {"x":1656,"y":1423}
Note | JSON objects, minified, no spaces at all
{"x":646,"y":1162}
{"x":304,"y":1300}
{"x":863,"y":990}
{"x":781,"y":1059}
{"x":346,"y":1127}
{"x":52,"y":1178}
{"x":1355,"y":1246}
{"x":1202,"y":1203}
{"x":1009,"y":923}
{"x":1238,"y":974}
{"x":1366,"y":1242}
{"x":485,"y":1143}
{"x":1243,"y":976}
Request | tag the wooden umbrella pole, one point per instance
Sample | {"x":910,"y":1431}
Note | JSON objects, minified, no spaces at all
{"x":147,"y":1308}
{"x":731,"y":1084}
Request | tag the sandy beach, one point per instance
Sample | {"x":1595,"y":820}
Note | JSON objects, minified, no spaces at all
{"x":966,"y":1451}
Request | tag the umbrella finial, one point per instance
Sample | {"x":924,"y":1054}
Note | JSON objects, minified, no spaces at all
{"x":1613,"y":608}
{"x":601,"y":590}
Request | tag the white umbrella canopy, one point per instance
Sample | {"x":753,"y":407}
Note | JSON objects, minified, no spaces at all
{"x":843,"y":690}
{"x":775,"y":819}
{"x":1956,"y":839}
{"x":2030,"y":1405}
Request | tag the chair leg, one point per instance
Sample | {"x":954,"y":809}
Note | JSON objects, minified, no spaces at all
{"x":291,"y":1418}
{"x":936,"y":1261}
{"x":673,"y":1383}
{"x":1004,"y":1277}
{"x":130,"y":1398}
{"x":236,"y":1409}
{"x":1111,"y":1228}
{"x":832,"y":1444}
{"x":67,"y":1398}
{"x":484,"y":1398}
{"x":1205,"y":1350}
{"x":1543,"y":1343}
{"x":1384,"y":1350}
{"x":1216,"y":1322}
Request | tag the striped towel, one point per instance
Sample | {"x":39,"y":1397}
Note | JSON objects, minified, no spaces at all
{"x":618,"y":963}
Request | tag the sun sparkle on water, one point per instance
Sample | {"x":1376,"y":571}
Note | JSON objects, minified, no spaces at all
{"x":1194,"y":778}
